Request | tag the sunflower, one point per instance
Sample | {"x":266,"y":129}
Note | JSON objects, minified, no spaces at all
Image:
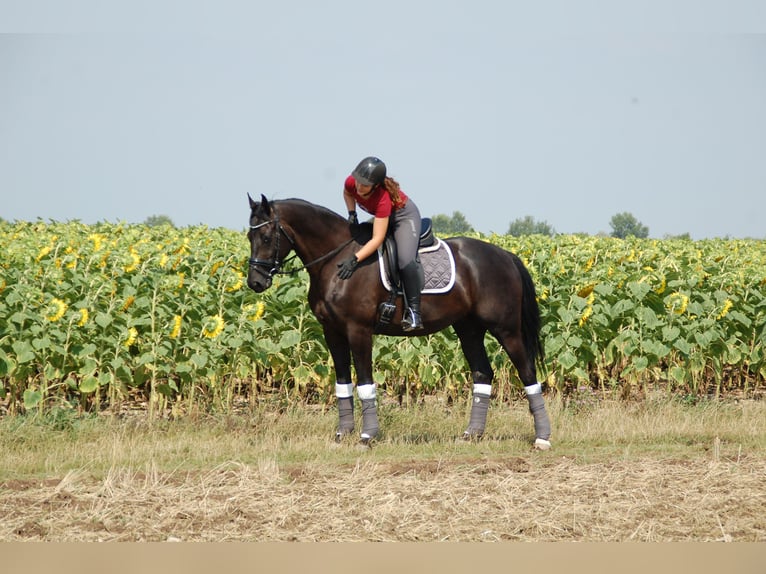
{"x":176,"y":331}
{"x":234,"y":281}
{"x":727,"y":305}
{"x":255,"y":312}
{"x":213,"y":327}
{"x":135,"y":261}
{"x":58,"y":313}
{"x":131,"y":338}
{"x":83,"y":317}
{"x":43,"y":252}
{"x":677,"y":303}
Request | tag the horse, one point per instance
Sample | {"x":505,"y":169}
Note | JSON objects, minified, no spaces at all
{"x":493,"y":292}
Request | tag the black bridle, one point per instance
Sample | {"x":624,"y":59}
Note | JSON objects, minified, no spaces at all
{"x":274,"y":265}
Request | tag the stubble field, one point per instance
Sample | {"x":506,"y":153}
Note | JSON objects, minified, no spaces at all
{"x":651,"y":471}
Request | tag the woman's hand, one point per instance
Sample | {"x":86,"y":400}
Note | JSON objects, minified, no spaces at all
{"x":347,"y":267}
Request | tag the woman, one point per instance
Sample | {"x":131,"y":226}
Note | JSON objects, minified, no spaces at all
{"x":370,"y":188}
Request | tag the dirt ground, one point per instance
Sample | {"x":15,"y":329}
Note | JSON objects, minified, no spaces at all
{"x":513,"y":499}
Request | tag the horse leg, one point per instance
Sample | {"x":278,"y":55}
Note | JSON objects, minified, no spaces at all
{"x":344,"y":387}
{"x":361,"y":350}
{"x":472,"y":342}
{"x":514,"y":346}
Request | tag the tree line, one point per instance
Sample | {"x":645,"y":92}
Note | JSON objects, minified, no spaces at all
{"x":623,"y":225}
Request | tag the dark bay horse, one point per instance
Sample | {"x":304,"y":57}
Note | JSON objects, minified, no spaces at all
{"x":493,"y":292}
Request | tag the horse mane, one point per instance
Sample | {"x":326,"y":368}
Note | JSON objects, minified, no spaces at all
{"x":323,"y":211}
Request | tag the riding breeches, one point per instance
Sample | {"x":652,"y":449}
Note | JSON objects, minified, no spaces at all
{"x":405,"y":227}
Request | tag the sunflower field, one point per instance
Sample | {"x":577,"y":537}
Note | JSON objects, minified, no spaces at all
{"x":92,"y":314}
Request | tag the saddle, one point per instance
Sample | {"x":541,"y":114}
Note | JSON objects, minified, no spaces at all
{"x":434,"y":255}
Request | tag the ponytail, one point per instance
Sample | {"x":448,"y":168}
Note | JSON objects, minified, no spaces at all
{"x":392,"y":187}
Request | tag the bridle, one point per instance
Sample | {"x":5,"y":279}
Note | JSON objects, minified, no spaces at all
{"x":274,"y":265}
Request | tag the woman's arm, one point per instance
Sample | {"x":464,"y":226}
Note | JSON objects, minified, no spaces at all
{"x":350,"y":201}
{"x":379,"y":229}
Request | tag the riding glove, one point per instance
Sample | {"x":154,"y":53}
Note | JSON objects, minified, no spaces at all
{"x":347,"y":267}
{"x":353,"y":223}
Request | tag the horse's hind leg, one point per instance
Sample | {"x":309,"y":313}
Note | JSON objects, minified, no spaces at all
{"x":514,"y":346}
{"x":472,"y":342}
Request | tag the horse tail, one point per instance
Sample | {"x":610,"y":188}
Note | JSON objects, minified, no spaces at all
{"x":530,"y":315}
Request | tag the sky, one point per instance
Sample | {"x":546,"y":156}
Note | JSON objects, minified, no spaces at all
{"x":569,"y":112}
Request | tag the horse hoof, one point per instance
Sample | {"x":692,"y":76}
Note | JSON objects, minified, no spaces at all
{"x":472,"y":436}
{"x":341,"y":435}
{"x":542,"y":444}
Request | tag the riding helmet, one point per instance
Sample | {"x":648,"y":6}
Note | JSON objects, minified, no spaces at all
{"x":370,"y":171}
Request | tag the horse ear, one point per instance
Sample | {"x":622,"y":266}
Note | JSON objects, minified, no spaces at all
{"x":253,"y":205}
{"x":265,"y":205}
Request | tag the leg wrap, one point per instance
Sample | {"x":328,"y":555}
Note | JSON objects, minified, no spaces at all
{"x":540,"y":415}
{"x":344,"y":394}
{"x":479,"y":408}
{"x":369,"y":411}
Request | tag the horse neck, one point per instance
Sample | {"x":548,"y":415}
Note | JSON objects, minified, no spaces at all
{"x":315,"y":231}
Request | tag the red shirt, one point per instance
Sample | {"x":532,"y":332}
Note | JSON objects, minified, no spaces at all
{"x":378,"y":203}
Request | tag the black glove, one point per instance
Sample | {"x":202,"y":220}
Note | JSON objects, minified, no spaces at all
{"x":348,"y":267}
{"x":353,"y":223}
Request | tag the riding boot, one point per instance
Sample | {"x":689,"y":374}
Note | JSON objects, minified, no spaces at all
{"x":412,"y":279}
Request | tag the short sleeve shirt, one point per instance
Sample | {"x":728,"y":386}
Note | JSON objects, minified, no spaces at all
{"x":378,"y":203}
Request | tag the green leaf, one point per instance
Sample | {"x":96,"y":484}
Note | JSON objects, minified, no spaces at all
{"x":640,"y":364}
{"x":7,"y":365}
{"x":670,"y":333}
{"x":638,"y":290}
{"x":199,"y":360}
{"x":290,"y":339}
{"x":678,"y":374}
{"x":102,"y":320}
{"x":567,"y":359}
{"x":24,"y":351}
{"x":41,"y":343}
{"x":32,"y":398}
{"x":88,"y":384}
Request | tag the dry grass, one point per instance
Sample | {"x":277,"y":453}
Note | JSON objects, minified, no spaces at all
{"x":650,"y":471}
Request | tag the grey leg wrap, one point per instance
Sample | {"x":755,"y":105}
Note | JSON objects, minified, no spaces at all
{"x":369,"y":419}
{"x":537,"y":408}
{"x":345,"y":415}
{"x":478,"y":421}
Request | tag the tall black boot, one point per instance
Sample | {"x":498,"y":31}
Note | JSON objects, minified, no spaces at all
{"x":412,"y":279}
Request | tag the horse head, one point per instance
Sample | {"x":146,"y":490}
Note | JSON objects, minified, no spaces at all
{"x":267,"y":251}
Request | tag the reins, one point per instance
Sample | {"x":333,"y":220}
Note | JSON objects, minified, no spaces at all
{"x":275,"y":264}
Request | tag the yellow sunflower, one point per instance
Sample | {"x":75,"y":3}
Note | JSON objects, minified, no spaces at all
{"x":58,"y":312}
{"x":213,"y":326}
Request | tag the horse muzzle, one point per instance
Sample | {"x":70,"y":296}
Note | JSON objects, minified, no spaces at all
{"x":258,"y":282}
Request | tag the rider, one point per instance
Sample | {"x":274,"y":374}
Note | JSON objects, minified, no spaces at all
{"x":381,"y":196}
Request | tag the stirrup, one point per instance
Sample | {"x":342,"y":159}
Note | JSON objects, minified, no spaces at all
{"x":411,"y":321}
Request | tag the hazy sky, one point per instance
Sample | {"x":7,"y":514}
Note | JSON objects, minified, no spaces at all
{"x":568,"y":112}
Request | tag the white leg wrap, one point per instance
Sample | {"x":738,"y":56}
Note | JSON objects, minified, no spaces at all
{"x":482,"y":389}
{"x":535,"y":389}
{"x":344,"y":391}
{"x":365,"y":392}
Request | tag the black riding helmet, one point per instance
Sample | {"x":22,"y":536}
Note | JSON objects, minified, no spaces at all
{"x":370,"y":171}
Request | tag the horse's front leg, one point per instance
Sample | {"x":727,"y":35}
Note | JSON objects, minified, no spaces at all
{"x":360,"y":340}
{"x":344,"y":386}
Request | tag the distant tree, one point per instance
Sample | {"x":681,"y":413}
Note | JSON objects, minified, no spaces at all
{"x":157,"y":220}
{"x":625,"y":224}
{"x":528,"y":226}
{"x":451,"y":225}
{"x":685,"y":236}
